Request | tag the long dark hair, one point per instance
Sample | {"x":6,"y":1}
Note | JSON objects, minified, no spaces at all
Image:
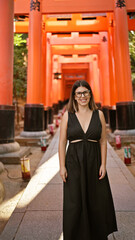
{"x":73,"y":105}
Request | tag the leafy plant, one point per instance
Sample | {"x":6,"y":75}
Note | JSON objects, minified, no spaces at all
{"x":20,"y":66}
{"x":132,"y":53}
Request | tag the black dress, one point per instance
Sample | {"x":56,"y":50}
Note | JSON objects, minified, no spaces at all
{"x":88,"y":209}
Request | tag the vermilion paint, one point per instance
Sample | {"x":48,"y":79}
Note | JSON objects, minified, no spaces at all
{"x":6,"y":51}
{"x":53,"y":6}
{"x":122,"y":59}
{"x":34,"y":85}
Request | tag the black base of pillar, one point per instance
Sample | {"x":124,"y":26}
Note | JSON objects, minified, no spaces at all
{"x":7,"y":124}
{"x":60,"y":105}
{"x":112,"y":119}
{"x":56,"y":108}
{"x":50,"y":115}
{"x":34,"y":117}
{"x":66,"y":101}
{"x":105,"y":110}
{"x":63,"y":104}
{"x":125,"y":115}
{"x":46,"y":118}
{"x":98,"y":105}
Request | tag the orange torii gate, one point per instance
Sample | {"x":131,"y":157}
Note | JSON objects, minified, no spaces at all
{"x":97,"y":25}
{"x":39,"y":84}
{"x":100,"y":24}
{"x":57,"y":7}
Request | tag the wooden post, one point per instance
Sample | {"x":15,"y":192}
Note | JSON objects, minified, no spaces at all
{"x":122,"y":59}
{"x":34,"y":91}
{"x":112,"y":80}
{"x":6,"y":51}
{"x":104,"y":69}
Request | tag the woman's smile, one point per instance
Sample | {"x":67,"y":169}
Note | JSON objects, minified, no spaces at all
{"x":83,"y":100}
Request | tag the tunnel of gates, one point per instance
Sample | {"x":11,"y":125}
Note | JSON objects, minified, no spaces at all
{"x":68,"y":41}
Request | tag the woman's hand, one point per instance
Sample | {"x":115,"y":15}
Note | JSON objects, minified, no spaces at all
{"x":102,"y":172}
{"x":63,"y":173}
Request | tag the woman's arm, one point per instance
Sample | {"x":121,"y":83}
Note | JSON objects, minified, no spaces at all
{"x":103,"y":145}
{"x":62,"y":146}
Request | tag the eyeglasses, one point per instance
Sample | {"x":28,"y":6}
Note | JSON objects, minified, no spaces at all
{"x":85,"y":94}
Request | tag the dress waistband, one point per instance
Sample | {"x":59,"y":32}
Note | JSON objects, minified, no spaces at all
{"x":79,"y":140}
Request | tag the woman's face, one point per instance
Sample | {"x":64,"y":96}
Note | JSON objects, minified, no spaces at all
{"x":82,"y":96}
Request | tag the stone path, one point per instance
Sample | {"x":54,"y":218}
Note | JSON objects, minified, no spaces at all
{"x":38,"y":215}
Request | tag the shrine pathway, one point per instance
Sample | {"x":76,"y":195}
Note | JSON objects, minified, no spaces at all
{"x":38,"y":215}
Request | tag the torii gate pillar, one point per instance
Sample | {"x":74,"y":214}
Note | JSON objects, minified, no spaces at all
{"x":7,"y":112}
{"x":96,"y":83}
{"x":125,"y":106}
{"x":113,"y":95}
{"x":34,"y":110}
{"x":48,"y":72}
{"x":34,"y":54}
{"x":104,"y":69}
{"x":6,"y":51}
{"x":48,"y":90}
{"x":122,"y":59}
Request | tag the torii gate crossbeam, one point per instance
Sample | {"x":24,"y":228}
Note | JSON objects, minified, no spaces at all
{"x":59,"y":6}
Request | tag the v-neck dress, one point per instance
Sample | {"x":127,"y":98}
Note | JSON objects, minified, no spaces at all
{"x":88,"y":209}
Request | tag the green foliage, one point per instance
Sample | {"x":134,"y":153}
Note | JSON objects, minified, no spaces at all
{"x":20,"y":66}
{"x":132,"y":53}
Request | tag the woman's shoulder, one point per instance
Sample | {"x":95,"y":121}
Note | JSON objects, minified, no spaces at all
{"x":64,"y":119}
{"x":101,"y":115}
{"x":100,"y":112}
{"x":65,"y":115}
{"x":70,"y":113}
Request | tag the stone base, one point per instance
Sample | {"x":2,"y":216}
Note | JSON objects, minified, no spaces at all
{"x":1,"y":167}
{"x":14,"y":157}
{"x":31,"y":141}
{"x":132,"y":149}
{"x":124,"y":138}
{"x":51,"y":124}
{"x":2,"y":192}
{"x":33,"y":134}
{"x":55,"y":116}
{"x":125,"y":132}
{"x":9,"y":147}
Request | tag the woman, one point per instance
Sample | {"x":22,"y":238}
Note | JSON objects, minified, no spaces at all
{"x":88,"y":210}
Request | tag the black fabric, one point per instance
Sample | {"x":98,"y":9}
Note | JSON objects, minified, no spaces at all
{"x":88,"y":209}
